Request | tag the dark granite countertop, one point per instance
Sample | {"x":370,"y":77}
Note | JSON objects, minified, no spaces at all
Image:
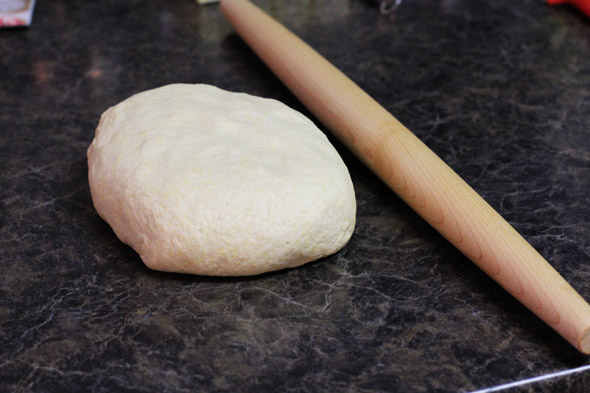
{"x":499,"y":89}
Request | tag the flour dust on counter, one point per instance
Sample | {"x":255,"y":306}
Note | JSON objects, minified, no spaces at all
{"x":205,"y":181}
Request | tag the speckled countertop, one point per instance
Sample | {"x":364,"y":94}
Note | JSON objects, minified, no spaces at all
{"x":499,"y":89}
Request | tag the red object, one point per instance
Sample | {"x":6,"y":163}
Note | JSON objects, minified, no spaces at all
{"x":582,"y":5}
{"x":11,"y":22}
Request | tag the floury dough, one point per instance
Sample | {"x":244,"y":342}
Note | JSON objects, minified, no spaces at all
{"x":205,"y":181}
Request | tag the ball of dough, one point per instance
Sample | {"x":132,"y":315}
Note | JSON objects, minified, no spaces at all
{"x":205,"y":181}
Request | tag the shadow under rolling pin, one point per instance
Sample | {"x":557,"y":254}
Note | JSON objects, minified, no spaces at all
{"x":415,"y":173}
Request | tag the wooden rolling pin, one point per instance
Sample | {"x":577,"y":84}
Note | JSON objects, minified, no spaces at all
{"x":415,"y":173}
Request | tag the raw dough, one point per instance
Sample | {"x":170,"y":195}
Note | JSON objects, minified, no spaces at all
{"x":205,"y":181}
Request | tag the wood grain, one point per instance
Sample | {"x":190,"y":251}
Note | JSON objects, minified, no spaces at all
{"x":415,"y":173}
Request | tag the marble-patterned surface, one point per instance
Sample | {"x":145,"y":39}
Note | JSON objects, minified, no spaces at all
{"x":500,"y":90}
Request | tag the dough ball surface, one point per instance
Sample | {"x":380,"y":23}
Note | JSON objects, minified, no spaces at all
{"x":204,"y":181}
